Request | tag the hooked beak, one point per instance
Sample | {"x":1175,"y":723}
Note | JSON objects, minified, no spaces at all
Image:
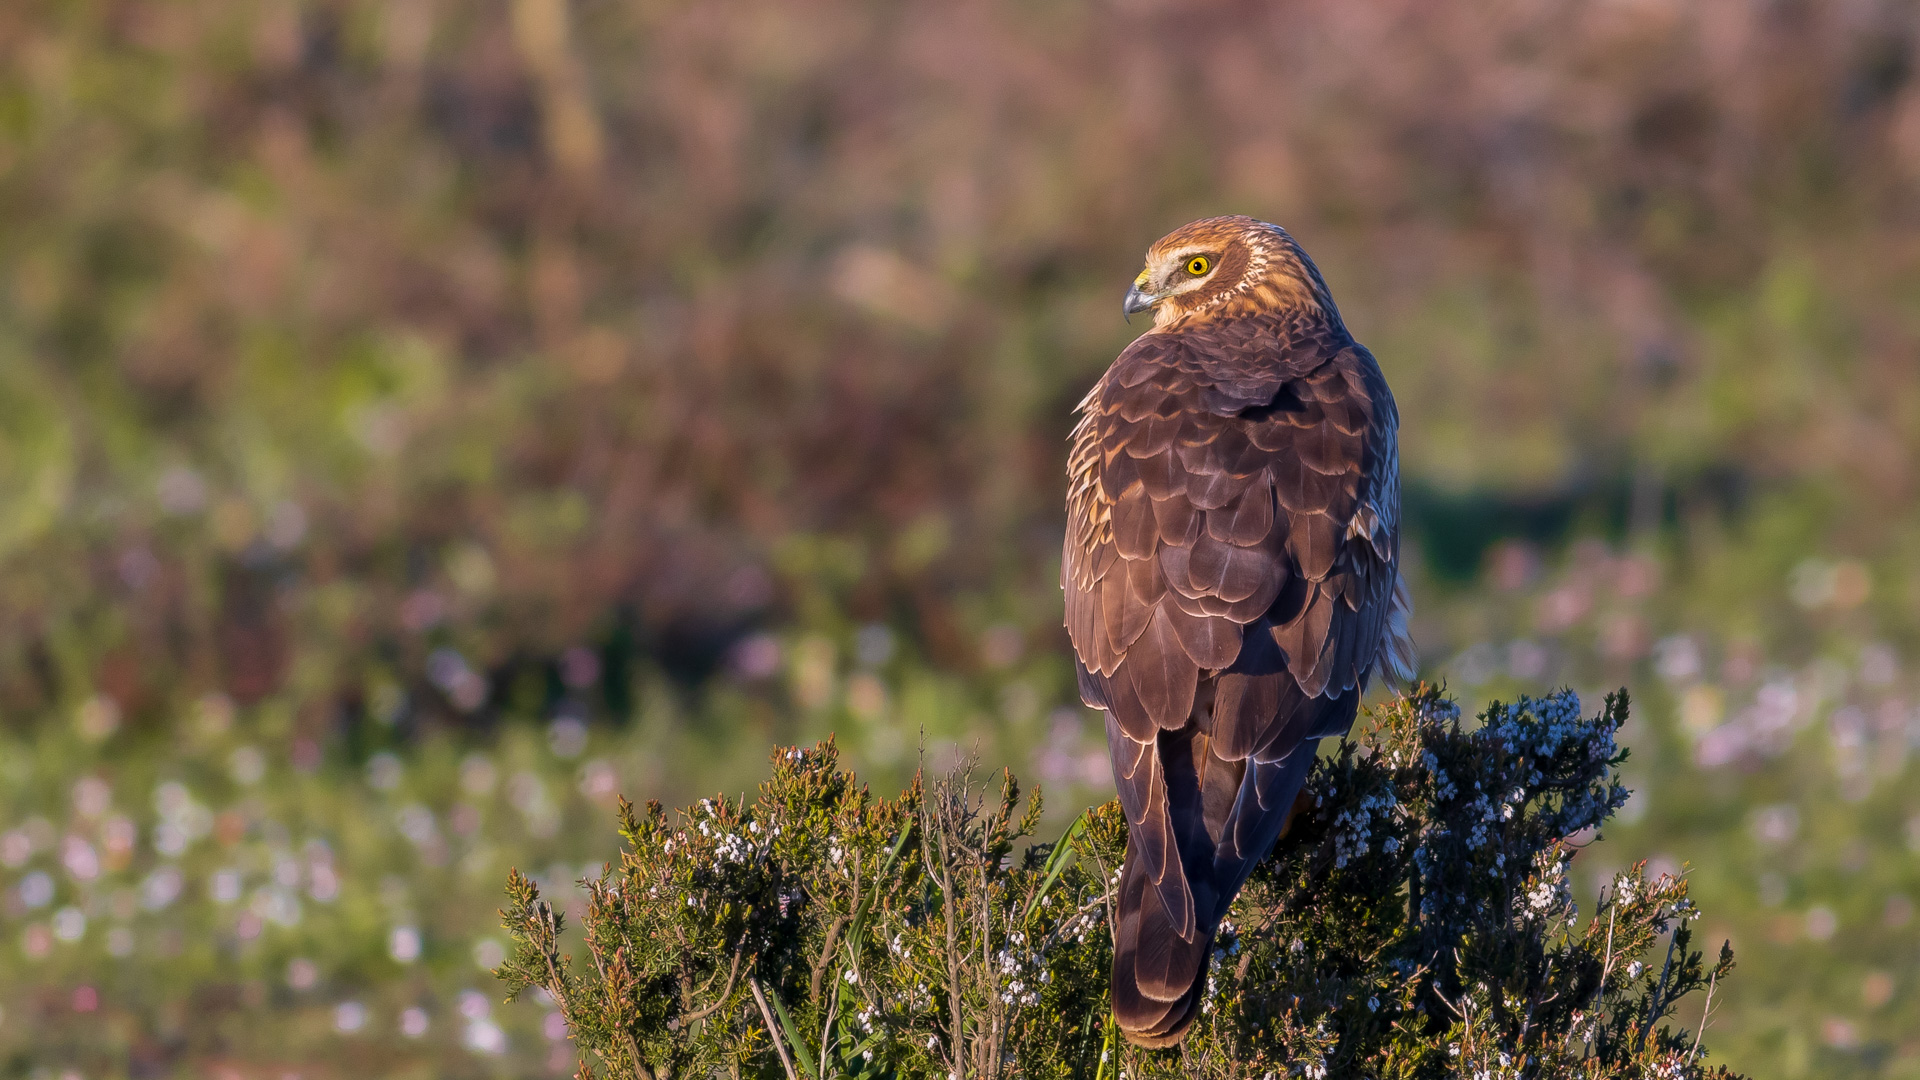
{"x":1137,"y":302}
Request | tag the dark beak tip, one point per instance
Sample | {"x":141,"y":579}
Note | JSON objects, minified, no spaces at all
{"x":1135,"y":303}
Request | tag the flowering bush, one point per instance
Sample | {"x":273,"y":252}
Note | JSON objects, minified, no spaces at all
{"x":1416,"y":921}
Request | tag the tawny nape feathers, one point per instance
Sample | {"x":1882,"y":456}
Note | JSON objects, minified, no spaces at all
{"x":1232,"y":580}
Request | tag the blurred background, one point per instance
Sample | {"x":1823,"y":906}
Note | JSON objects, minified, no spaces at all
{"x":422,"y":420}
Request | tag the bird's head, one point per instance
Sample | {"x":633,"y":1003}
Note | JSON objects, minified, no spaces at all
{"x":1223,"y":267}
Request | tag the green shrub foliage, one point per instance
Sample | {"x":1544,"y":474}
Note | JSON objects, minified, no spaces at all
{"x":1417,"y":921}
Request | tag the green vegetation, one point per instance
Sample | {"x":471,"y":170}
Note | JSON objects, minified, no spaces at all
{"x":389,"y":382}
{"x":1417,"y":921}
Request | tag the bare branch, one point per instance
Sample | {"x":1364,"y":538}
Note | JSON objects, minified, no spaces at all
{"x":826,"y":953}
{"x":1653,"y":1003}
{"x":773,"y":1029}
{"x":1705,"y":1012}
{"x":733,"y":976}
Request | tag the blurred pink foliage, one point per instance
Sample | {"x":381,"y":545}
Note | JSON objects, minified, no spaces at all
{"x":346,"y":321}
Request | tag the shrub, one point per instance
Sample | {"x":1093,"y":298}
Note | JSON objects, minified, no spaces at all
{"x":1416,"y":921}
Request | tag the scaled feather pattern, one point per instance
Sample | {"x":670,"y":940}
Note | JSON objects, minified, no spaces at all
{"x":1231,"y":572}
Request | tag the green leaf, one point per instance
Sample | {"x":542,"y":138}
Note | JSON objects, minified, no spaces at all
{"x":1056,"y":862}
{"x":801,"y":1054}
{"x":1107,"y":1048}
{"x":857,"y":930}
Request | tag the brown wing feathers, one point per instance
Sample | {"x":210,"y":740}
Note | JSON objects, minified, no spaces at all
{"x":1221,"y":612}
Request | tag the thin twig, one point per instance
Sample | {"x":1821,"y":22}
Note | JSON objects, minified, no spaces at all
{"x":986,"y":1054}
{"x":1600,"y":991}
{"x":1109,"y":1045}
{"x":826,"y":1027}
{"x":1606,"y":967}
{"x":640,"y":1070}
{"x":1653,"y":1003}
{"x":1106,"y":893}
{"x":773,"y":1029}
{"x":1533,"y":1004}
{"x":1068,"y":924}
{"x":943,"y":877}
{"x":826,"y":950}
{"x":732,"y":980}
{"x":1705,"y":1012}
{"x":556,"y":986}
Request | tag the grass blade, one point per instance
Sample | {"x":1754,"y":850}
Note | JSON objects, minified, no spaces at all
{"x":1107,"y":1049}
{"x":856,"y":931}
{"x":1056,"y":862}
{"x":800,"y":1051}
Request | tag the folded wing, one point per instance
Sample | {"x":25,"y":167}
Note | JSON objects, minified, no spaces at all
{"x":1230,"y":569}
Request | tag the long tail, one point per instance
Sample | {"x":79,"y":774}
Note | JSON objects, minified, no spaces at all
{"x":1159,"y":976}
{"x":1160,"y":966}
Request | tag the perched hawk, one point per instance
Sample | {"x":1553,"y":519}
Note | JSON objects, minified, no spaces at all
{"x":1232,"y":579}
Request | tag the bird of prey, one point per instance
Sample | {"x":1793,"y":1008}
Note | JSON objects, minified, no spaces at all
{"x":1232,"y":580}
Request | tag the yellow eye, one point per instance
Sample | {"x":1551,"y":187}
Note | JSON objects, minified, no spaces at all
{"x":1199,"y":265}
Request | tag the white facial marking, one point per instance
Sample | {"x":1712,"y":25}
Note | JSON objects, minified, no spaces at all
{"x":1166,"y":274}
{"x":1172,"y":268}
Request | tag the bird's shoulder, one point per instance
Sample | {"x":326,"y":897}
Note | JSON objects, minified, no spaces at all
{"x":1232,"y":367}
